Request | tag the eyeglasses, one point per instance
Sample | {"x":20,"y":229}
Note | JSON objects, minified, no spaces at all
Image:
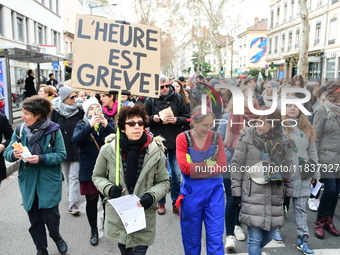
{"x":167,"y":86}
{"x":133,"y":123}
{"x":73,"y":97}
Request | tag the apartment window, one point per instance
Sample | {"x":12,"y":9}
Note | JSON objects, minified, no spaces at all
{"x":283,"y":42}
{"x":66,"y":47}
{"x":332,"y":31}
{"x":290,"y":40}
{"x":240,"y":61}
{"x":57,"y":6}
{"x":276,"y":43}
{"x":271,"y":19}
{"x":330,"y":68}
{"x":310,"y":5}
{"x":214,"y":61}
{"x":292,"y":10}
{"x":244,"y":60}
{"x":71,"y":47}
{"x":334,"y":1}
{"x":319,"y":3}
{"x":278,"y":16}
{"x":55,"y":39}
{"x":20,"y":26}
{"x":317,"y":33}
{"x":270,"y":45}
{"x":297,"y":38}
{"x":40,"y":34}
{"x":209,"y":62}
{"x":285,"y":11}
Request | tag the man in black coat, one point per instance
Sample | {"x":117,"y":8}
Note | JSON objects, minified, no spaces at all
{"x":168,"y":98}
{"x":6,"y":131}
{"x":52,"y":81}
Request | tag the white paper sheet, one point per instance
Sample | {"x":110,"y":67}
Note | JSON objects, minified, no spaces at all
{"x":315,"y":190}
{"x":132,"y":216}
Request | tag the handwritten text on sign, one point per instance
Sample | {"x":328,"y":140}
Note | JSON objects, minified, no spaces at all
{"x":114,"y":56}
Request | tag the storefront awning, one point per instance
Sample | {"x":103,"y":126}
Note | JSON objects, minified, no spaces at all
{"x":28,"y":56}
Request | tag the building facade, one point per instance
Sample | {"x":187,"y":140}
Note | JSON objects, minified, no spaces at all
{"x":284,"y":38}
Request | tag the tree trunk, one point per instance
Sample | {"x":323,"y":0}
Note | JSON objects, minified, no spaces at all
{"x":304,"y":41}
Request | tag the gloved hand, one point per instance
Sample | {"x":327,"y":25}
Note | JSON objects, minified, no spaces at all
{"x":146,"y":200}
{"x":237,"y":201}
{"x":188,"y":158}
{"x":115,"y":191}
{"x":210,"y":162}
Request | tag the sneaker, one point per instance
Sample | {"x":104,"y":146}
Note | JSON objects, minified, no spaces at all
{"x":311,"y":205}
{"x":73,"y":210}
{"x":317,"y":202}
{"x":239,"y":234}
{"x":230,"y":242}
{"x":302,"y":245}
{"x":278,"y":235}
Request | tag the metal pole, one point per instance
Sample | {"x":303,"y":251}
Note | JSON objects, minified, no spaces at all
{"x":231,"y":59}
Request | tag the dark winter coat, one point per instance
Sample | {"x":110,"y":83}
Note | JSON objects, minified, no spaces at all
{"x":88,"y":150}
{"x":180,"y":110}
{"x":67,"y":126}
{"x":29,"y":86}
{"x":6,"y":131}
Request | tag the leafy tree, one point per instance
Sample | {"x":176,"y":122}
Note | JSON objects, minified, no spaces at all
{"x":204,"y":67}
{"x":255,"y":73}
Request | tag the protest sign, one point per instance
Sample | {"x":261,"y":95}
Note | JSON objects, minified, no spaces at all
{"x":115,"y":56}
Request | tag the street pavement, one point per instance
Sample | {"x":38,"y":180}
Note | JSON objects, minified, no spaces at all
{"x":15,"y":238}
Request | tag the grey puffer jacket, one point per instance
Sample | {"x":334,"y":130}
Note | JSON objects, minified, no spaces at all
{"x":306,"y":150}
{"x":327,"y":129}
{"x":261,"y":205}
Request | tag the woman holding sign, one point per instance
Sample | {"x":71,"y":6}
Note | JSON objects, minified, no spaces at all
{"x":40,"y":174}
{"x":142,"y":172}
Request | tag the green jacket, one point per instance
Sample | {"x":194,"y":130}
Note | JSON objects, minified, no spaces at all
{"x":153,"y":179}
{"x":42,"y":179}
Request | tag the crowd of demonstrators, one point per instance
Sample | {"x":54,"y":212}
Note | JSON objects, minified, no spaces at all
{"x":168,"y":127}
{"x":142,"y":172}
{"x":67,"y":112}
{"x":202,"y":196}
{"x":40,"y":178}
{"x":85,"y":121}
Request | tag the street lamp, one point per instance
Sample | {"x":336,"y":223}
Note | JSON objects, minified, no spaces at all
{"x":97,"y":6}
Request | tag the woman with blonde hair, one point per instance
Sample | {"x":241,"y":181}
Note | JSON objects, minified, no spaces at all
{"x":45,"y":91}
{"x":304,"y":137}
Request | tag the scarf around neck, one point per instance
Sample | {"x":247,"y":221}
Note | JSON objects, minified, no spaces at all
{"x":334,"y":107}
{"x":132,"y":149}
{"x":67,"y":110}
{"x":268,"y":101}
{"x":272,"y":150}
{"x":34,"y":134}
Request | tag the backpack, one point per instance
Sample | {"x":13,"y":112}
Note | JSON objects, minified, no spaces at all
{"x":18,"y":132}
{"x":214,"y":142}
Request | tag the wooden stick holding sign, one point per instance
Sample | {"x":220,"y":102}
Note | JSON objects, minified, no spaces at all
{"x":118,"y":143}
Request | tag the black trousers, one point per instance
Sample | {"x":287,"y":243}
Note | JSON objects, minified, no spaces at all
{"x":139,"y":250}
{"x":38,"y":218}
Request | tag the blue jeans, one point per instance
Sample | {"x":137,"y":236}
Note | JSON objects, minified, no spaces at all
{"x":231,"y":210}
{"x":176,"y":179}
{"x":330,"y":195}
{"x":258,"y":238}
